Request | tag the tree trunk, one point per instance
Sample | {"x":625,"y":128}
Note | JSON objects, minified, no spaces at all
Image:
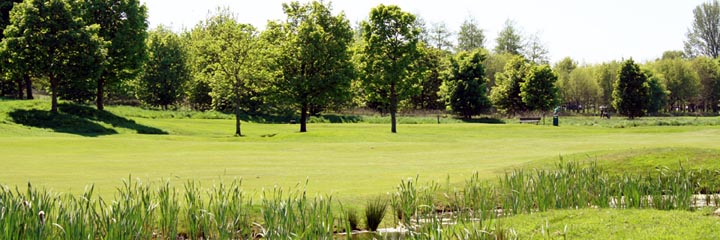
{"x":238,"y":133}
{"x":19,"y":89}
{"x":393,"y":108}
{"x":53,"y":90}
{"x":303,"y":118}
{"x":100,"y":93}
{"x":28,"y":87}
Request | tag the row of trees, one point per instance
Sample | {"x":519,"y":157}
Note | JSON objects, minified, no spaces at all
{"x":314,"y":61}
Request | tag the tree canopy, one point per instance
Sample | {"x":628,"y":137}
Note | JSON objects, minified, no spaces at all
{"x":631,"y":90}
{"x":703,"y":38}
{"x":466,"y":84}
{"x":471,"y":36}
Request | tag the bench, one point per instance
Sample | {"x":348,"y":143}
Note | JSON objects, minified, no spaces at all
{"x":535,"y":120}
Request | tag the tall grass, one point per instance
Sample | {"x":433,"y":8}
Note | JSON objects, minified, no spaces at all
{"x":225,"y":211}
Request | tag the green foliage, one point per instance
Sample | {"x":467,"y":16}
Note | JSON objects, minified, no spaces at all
{"x":630,"y":94}
{"x":375,"y":212}
{"x":123,"y":23}
{"x":538,"y":91}
{"x":166,"y":70}
{"x":680,"y":79}
{"x":606,"y":76}
{"x":708,"y":71}
{"x":434,"y":63}
{"x":47,"y":38}
{"x":506,"y":93}
{"x":579,"y":88}
{"x":229,"y":56}
{"x":657,"y":92}
{"x":509,"y":39}
{"x":439,"y":37}
{"x":466,"y":92}
{"x":471,"y":36}
{"x":314,"y":58}
{"x":389,"y":57}
{"x":703,"y":37}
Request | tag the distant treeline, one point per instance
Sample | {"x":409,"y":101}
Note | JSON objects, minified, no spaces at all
{"x":314,"y":61}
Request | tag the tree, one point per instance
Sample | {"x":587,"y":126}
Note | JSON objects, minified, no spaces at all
{"x":704,"y":36}
{"x":606,"y":75}
{"x":434,"y":62}
{"x":166,"y":70}
{"x":506,"y":93}
{"x":680,"y":79}
{"x":579,"y":89}
{"x":228,"y":55}
{"x":538,"y":91}
{"x":52,"y":42}
{"x":535,"y":51}
{"x":630,"y":96}
{"x":465,"y":84}
{"x":440,"y":36}
{"x":657,"y":93}
{"x":314,"y":57}
{"x":471,"y":36}
{"x":21,"y":77}
{"x":509,"y":39}
{"x":392,"y":48}
{"x":123,"y":23}
{"x":708,"y":71}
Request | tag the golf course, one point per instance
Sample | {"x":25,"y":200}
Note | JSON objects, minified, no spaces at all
{"x":351,"y":163}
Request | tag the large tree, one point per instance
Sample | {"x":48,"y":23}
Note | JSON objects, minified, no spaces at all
{"x":471,"y":36}
{"x":506,"y":93}
{"x":440,"y":36}
{"x":314,"y":56}
{"x":465,"y":86}
{"x":703,"y":38}
{"x":630,"y":96}
{"x":708,"y":71}
{"x":52,"y":42}
{"x":123,"y":23}
{"x":680,"y":79}
{"x":12,"y":79}
{"x":391,"y":49}
{"x":509,"y":39}
{"x":606,"y":75}
{"x":433,"y":62}
{"x":166,"y":70}
{"x":229,"y":56}
{"x":538,"y":91}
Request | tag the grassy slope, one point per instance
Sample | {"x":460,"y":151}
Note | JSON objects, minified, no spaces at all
{"x":615,"y":224}
{"x":352,"y":161}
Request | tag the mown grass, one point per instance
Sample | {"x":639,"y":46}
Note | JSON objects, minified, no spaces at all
{"x":614,"y":224}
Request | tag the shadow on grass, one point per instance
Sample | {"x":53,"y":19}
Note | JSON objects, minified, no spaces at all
{"x":485,"y":120}
{"x":80,"y":120}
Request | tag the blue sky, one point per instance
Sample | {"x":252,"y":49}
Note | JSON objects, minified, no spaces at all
{"x":589,"y":31}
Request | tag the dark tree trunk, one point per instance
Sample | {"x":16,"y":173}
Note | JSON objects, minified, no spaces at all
{"x":19,"y":89}
{"x":53,"y":90}
{"x":28,"y":87}
{"x":100,"y":93}
{"x":303,"y":118}
{"x":393,"y":108}
{"x":237,"y":121}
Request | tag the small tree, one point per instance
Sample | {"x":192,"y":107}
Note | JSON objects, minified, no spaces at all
{"x":630,"y":94}
{"x":539,"y":92}
{"x":166,"y":70}
{"x":471,"y":36}
{"x":466,"y":84}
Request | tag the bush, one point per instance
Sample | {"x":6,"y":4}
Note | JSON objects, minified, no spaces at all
{"x":374,"y":212}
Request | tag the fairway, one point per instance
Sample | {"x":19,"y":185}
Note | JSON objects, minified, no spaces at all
{"x":349,"y":161}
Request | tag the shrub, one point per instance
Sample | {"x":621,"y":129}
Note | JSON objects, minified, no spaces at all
{"x":374,"y":212}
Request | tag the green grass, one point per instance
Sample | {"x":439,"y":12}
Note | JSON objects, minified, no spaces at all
{"x":614,"y":224}
{"x":351,"y":161}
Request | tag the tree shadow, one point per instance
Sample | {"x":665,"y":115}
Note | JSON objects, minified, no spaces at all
{"x":107,"y":117}
{"x":59,"y":122}
{"x":80,"y":120}
{"x":485,"y":120}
